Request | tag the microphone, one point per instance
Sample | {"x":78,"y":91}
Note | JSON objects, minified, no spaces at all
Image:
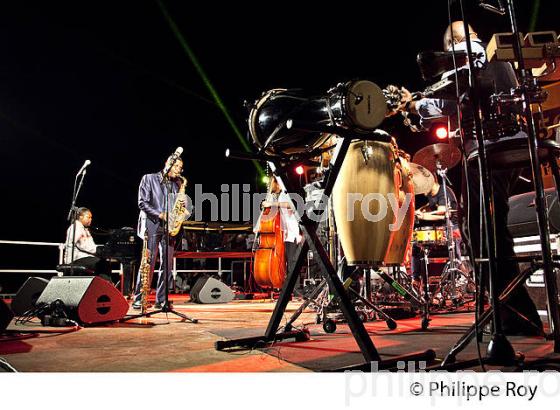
{"x":172,"y":159}
{"x":498,"y":10}
{"x":83,"y":168}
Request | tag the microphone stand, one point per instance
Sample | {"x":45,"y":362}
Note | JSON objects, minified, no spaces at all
{"x":499,"y":350}
{"x":72,"y":215}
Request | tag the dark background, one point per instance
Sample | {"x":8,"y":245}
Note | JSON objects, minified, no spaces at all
{"x":110,"y":82}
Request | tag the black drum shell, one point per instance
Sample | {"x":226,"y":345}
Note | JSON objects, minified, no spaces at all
{"x":269,"y":116}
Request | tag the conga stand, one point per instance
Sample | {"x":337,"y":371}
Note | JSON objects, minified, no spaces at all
{"x":280,"y":167}
{"x":409,"y":296}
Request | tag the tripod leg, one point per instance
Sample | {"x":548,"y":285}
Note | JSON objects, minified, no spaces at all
{"x":286,"y":292}
{"x":390,"y":321}
{"x":318,"y":289}
{"x":486,"y":316}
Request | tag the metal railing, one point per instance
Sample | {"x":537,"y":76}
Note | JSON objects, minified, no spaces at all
{"x":60,"y":247}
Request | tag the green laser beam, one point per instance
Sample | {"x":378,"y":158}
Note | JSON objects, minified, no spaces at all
{"x":534,"y":15}
{"x":207,"y":82}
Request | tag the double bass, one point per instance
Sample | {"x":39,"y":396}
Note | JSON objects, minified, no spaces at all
{"x":269,"y":265}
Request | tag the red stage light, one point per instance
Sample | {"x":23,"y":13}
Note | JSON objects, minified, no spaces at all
{"x":441,"y":132}
{"x":299,"y":170}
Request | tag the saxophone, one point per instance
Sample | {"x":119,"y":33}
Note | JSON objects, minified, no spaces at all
{"x":179,"y":212}
{"x":145,"y":275}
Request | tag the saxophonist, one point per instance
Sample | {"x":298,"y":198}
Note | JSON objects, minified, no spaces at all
{"x":151,"y":223}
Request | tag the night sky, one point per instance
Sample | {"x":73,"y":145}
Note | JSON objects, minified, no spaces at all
{"x":109,"y":81}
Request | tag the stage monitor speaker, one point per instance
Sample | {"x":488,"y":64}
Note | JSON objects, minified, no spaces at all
{"x":87,"y":299}
{"x":210,"y":290}
{"x":522,"y":217}
{"x":6,"y":315}
{"x":535,"y":285}
{"x":28,"y":294}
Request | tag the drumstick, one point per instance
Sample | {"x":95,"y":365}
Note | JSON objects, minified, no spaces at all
{"x":553,"y":126}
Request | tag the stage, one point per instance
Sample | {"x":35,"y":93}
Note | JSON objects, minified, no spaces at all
{"x":160,"y":344}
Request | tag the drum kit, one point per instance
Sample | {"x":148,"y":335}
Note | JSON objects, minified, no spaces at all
{"x":455,"y":283}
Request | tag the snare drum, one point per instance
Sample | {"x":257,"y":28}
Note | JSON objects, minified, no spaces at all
{"x":430,"y":235}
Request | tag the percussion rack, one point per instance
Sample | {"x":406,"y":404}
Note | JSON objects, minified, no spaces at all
{"x":280,"y":168}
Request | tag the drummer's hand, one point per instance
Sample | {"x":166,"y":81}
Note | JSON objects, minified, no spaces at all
{"x":406,"y":99}
{"x":419,"y":214}
{"x":393,"y":95}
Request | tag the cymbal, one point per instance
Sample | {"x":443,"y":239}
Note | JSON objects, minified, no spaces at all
{"x":447,"y":155}
{"x":422,"y":179}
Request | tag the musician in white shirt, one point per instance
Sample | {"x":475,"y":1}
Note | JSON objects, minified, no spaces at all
{"x":84,"y":254}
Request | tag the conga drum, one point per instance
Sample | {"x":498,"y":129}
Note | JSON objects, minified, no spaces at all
{"x":404,"y":191}
{"x":360,"y":202}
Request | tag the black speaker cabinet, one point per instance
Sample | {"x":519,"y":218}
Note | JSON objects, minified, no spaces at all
{"x":6,"y":315}
{"x":531,"y":246}
{"x":535,"y":286}
{"x":210,"y":290}
{"x":522,"y":217}
{"x":28,"y":294}
{"x":87,"y":299}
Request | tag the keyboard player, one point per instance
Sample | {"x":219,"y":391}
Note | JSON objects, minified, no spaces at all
{"x":80,"y":249}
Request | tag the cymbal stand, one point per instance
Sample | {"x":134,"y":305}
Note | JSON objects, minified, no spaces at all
{"x":451,"y":271}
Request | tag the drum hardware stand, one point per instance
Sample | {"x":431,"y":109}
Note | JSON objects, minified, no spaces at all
{"x":312,"y":241}
{"x":329,"y":325}
{"x":500,"y":351}
{"x":422,"y":304}
{"x":317,"y":294}
{"x":528,"y":83}
{"x":451,"y":271}
{"x":486,"y":316}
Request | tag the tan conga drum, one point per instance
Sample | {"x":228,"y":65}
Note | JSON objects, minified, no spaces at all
{"x":402,"y":236}
{"x":360,"y":203}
